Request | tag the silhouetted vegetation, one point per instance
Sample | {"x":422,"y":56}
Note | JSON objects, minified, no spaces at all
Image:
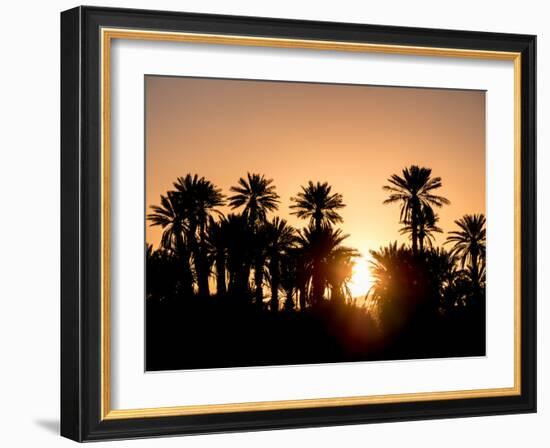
{"x":247,"y":288}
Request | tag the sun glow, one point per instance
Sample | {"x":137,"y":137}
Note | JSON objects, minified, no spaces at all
{"x":361,"y":280}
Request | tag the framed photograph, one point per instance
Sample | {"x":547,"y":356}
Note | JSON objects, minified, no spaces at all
{"x":273,"y":223}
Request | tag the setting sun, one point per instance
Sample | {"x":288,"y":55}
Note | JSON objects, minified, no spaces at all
{"x":361,"y":279}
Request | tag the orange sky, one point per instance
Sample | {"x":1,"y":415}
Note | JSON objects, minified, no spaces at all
{"x":354,"y":137}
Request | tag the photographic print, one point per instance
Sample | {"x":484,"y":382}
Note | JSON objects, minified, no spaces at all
{"x":272,"y":223}
{"x":254,"y":207}
{"x":301,"y":223}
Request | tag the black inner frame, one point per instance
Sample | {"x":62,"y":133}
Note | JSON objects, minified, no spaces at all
{"x":81,"y":224}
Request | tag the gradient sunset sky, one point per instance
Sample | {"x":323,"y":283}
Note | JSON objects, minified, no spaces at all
{"x":352,"y":136}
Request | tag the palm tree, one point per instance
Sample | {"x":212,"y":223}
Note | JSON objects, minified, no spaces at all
{"x":338,"y":271}
{"x":217,"y":242}
{"x":469,"y":245}
{"x":427,"y":226}
{"x":296,"y":272}
{"x":414,"y":190}
{"x":316,"y":203}
{"x":385,"y":263}
{"x":290,"y":263}
{"x":304,"y":269}
{"x":443,"y":265}
{"x":171,"y":216}
{"x":317,"y":247}
{"x":201,"y":198}
{"x":442,"y":274}
{"x":258,"y":239}
{"x":257,"y":194}
{"x":163,"y":271}
{"x":280,"y":237}
{"x":239,"y":254}
{"x":401,"y":286}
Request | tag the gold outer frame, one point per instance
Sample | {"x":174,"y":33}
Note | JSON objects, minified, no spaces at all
{"x":107,"y":35}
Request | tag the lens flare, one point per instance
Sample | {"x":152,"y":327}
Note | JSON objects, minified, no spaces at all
{"x":361,"y":279}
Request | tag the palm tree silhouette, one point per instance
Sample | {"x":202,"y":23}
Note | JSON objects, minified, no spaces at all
{"x":385,"y":263}
{"x":280,"y":237}
{"x":201,"y":197}
{"x":405,"y":292}
{"x":469,"y":245}
{"x":317,"y":247}
{"x":316,"y":203}
{"x":446,"y":273}
{"x":339,"y":270}
{"x":427,"y":226}
{"x":290,"y":264}
{"x":171,"y":216}
{"x":414,"y":190}
{"x":259,"y":256}
{"x":297,"y":271}
{"x":216,"y":237}
{"x":239,"y":254}
{"x":423,"y":296}
{"x":258,"y":196}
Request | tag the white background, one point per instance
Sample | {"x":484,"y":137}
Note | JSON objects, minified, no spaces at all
{"x":132,"y":388}
{"x":29,"y":188}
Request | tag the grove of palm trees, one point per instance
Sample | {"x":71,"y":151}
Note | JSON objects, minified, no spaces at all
{"x":246,"y":288}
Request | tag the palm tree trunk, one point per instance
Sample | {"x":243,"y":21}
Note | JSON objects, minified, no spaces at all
{"x":414,"y":224}
{"x":220,"y":275}
{"x":275,"y":281}
{"x":240,"y":284}
{"x":232,"y":282}
{"x":202,"y":266}
{"x":238,"y":279}
{"x":259,"y":280}
{"x":202,"y":274}
{"x":186,"y":273}
{"x":302,"y":297}
{"x":289,"y":302}
{"x":187,"y":277}
{"x":475,"y":274}
{"x":317,"y":283}
{"x":318,"y":219}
